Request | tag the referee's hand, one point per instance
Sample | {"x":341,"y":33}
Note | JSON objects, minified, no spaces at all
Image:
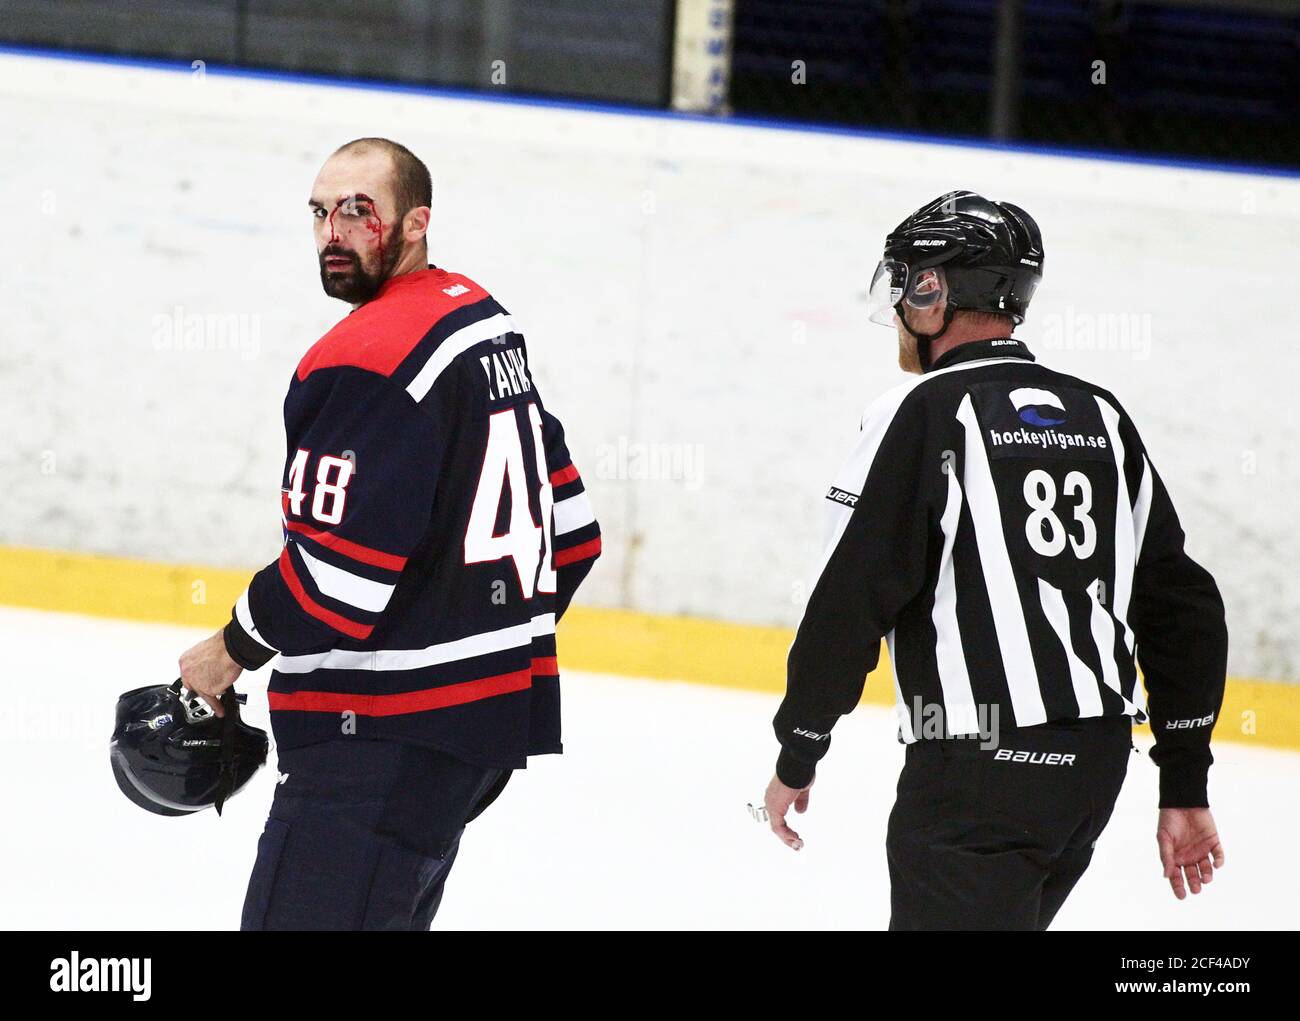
{"x":1190,"y":850}
{"x":778,"y":800}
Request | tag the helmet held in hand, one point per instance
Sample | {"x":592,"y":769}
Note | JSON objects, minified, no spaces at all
{"x":172,"y":755}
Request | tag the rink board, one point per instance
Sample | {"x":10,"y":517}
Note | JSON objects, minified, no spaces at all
{"x":623,"y":642}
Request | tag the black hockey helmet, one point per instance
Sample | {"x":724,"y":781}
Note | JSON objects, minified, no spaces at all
{"x":172,"y":755}
{"x":984,"y":256}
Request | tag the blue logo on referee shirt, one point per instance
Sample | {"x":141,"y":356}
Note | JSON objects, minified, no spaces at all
{"x":1036,"y":407}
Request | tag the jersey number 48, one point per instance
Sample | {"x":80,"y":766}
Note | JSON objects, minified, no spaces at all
{"x":524,"y":541}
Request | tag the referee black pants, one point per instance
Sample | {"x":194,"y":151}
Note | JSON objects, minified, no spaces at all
{"x":362,"y":835}
{"x":996,"y":838}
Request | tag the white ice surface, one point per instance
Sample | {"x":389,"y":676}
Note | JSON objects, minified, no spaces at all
{"x":642,"y":823}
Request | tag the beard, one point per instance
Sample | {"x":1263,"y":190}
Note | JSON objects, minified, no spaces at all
{"x":909,"y":359}
{"x":355,"y":284}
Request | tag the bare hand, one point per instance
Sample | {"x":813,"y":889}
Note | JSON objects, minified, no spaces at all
{"x":207,"y":670}
{"x":1189,"y":847}
{"x":777,"y":801}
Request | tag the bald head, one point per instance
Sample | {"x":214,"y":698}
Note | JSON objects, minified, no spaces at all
{"x":410,"y":182}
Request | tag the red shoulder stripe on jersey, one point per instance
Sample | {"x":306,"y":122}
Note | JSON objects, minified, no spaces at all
{"x":563,"y":475}
{"x":338,"y":622}
{"x":573,"y":554}
{"x":406,"y":702}
{"x":546,"y":666}
{"x":366,"y":555}
{"x":381,"y":333}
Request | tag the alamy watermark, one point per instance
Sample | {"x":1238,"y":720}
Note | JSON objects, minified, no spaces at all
{"x":179,"y":330}
{"x":930,"y":721}
{"x":659,"y":462}
{"x":75,"y":974}
{"x":1128,"y":332}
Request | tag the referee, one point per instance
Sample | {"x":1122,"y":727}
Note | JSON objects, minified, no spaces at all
{"x":1002,"y":527}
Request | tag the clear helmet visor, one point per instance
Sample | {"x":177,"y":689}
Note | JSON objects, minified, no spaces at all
{"x":887,"y":287}
{"x":893,"y":283}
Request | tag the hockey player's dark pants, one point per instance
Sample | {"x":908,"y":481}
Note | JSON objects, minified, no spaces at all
{"x":981,"y":842}
{"x":362,"y":835}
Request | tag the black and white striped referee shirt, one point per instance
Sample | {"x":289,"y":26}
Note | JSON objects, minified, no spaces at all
{"x":1001,"y":526}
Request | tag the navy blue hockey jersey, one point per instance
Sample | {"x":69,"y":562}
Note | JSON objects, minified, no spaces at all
{"x":435,"y":529}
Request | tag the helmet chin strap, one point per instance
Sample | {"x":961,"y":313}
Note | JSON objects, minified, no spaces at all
{"x":923,"y":340}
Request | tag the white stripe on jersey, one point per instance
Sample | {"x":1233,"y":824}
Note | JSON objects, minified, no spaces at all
{"x":960,"y":713}
{"x":1141,"y":512}
{"x":1087,"y":687}
{"x":1139,"y":698}
{"x":1004,"y":596}
{"x":573,"y":513}
{"x":906,"y":728}
{"x":518,"y":636}
{"x":1124,"y":526}
{"x":346,"y":586}
{"x":1142,"y":508}
{"x":1103,"y":634}
{"x":456,"y":344}
{"x":244,"y":615}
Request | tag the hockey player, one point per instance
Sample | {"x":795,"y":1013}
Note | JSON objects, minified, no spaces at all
{"x":1002,"y":526}
{"x":435,"y":530}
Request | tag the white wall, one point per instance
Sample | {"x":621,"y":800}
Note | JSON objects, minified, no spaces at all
{"x":688,"y":289}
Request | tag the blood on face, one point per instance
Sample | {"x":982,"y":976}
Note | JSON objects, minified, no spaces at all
{"x":354,"y":221}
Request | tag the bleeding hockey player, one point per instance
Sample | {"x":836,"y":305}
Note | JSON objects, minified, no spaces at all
{"x":435,"y":530}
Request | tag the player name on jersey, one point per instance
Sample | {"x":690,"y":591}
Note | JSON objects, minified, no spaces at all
{"x":507,"y":373}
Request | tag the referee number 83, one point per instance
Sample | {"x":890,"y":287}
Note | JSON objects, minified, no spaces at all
{"x":1046,"y":533}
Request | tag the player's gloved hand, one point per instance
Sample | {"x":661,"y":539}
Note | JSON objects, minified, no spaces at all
{"x":778,"y":800}
{"x":207,"y":670}
{"x":1190,"y":850}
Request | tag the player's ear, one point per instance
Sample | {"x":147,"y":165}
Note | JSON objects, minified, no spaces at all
{"x":415,"y":225}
